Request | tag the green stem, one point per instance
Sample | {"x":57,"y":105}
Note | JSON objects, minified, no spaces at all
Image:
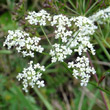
{"x":92,"y":6}
{"x":45,"y":53}
{"x":102,"y":46}
{"x":66,"y":66}
{"x":46,"y":35}
{"x":72,"y":4}
{"x":51,"y":64}
{"x":106,"y":43}
{"x":72,"y":10}
{"x":47,"y":104}
{"x":100,"y":30}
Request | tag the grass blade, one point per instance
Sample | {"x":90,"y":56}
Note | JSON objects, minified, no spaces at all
{"x":103,"y":90}
{"x":102,"y":46}
{"x":5,"y":52}
{"x":47,"y":104}
{"x":20,"y":96}
{"x":93,"y":100}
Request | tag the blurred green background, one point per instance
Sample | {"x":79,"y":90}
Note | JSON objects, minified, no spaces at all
{"x":62,"y":91}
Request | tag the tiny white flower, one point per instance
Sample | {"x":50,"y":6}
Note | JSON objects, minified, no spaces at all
{"x":40,"y":84}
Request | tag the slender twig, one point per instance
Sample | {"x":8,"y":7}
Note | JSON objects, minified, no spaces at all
{"x":47,"y":104}
{"x":66,"y":6}
{"x":46,"y":35}
{"x":81,"y":100}
{"x":101,"y":63}
{"x":89,"y":5}
{"x":96,"y":78}
{"x":49,"y":36}
{"x":90,"y":95}
{"x":102,"y":46}
{"x":106,"y":43}
{"x":65,"y":98}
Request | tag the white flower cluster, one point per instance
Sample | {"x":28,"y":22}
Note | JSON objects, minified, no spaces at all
{"x":31,"y":76}
{"x":101,"y":16}
{"x":81,"y":38}
{"x":40,"y":18}
{"x":81,"y":69}
{"x":82,"y":27}
{"x":82,"y":44}
{"x":85,"y":25}
{"x":60,"y":52}
{"x":61,"y":22}
{"x":23,"y":42}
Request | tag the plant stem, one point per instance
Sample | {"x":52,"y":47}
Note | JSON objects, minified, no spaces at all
{"x":47,"y":104}
{"x":51,"y":64}
{"x":45,"y":53}
{"x":96,"y":78}
{"x":106,"y":43}
{"x":72,"y":10}
{"x":89,"y":5}
{"x":66,"y":66}
{"x":46,"y":35}
{"x":92,"y":6}
{"x":102,"y":46}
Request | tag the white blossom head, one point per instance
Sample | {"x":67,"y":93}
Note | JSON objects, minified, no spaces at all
{"x":31,"y":76}
{"x":85,"y":25}
{"x":81,"y":69}
{"x":80,"y":41}
{"x":61,"y":22}
{"x":101,"y":16}
{"x":60,"y":52}
{"x":40,"y":18}
{"x":23,"y":43}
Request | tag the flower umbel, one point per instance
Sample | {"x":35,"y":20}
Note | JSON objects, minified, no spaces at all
{"x":81,"y":69}
{"x":60,"y":52}
{"x":72,"y":34}
{"x":23,"y":42}
{"x":102,"y":16}
{"x":40,"y":18}
{"x":61,"y":22}
{"x":81,"y":38}
{"x":31,"y":76}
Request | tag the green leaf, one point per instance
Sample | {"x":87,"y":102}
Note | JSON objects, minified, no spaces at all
{"x":7,"y":23}
{"x":20,"y":96}
{"x":93,"y":100}
{"x":102,"y":46}
{"x":47,"y":104}
{"x":91,"y":8}
{"x":5,"y":52}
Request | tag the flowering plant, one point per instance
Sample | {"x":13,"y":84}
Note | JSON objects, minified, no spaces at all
{"x":70,"y":40}
{"x":72,"y":35}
